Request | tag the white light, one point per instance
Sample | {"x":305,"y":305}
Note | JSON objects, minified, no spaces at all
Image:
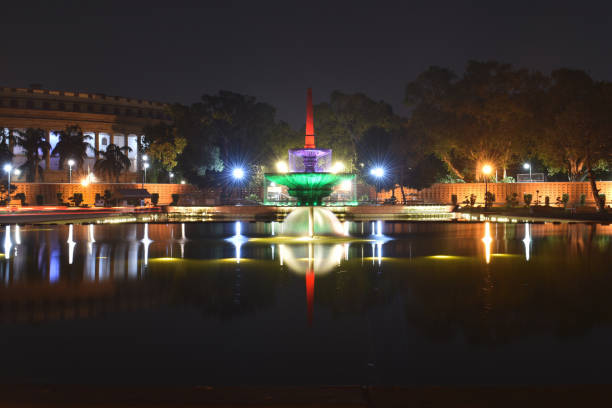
{"x":487,"y":169}
{"x":338,"y":167}
{"x":85,"y":181}
{"x":238,"y":173}
{"x":17,"y":172}
{"x":71,"y":162}
{"x":145,"y":157}
{"x":346,"y":185}
{"x":282,"y":167}
{"x":526,"y":166}
{"x":171,"y":175}
{"x":377,"y":172}
{"x":182,"y":181}
{"x":7,"y":167}
{"x":146,"y":165}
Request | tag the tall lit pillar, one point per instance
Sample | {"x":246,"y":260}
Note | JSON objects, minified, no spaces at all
{"x":48,"y":152}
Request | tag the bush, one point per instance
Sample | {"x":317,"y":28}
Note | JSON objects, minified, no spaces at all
{"x":175,"y":199}
{"x":252,"y":197}
{"x":454,"y":199}
{"x":471,"y":200}
{"x":508,"y":179}
{"x":547,"y":201}
{"x":527,"y":199}
{"x":563,"y":200}
{"x":60,"y":200}
{"x":22,"y":197}
{"x":154,"y":198}
{"x":582,"y":199}
{"x":39,"y":199}
{"x":602,"y":199}
{"x":489,"y":199}
{"x":77,"y":199}
{"x":512,"y":201}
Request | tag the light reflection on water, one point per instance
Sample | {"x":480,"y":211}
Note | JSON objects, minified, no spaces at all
{"x":400,"y":294}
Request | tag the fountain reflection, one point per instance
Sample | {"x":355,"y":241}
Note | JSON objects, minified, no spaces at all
{"x":146,"y":242}
{"x":238,"y":240}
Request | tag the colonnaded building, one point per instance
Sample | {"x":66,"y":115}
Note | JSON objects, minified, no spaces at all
{"x":107,"y":119}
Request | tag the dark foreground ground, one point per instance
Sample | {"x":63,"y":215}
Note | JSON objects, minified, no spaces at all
{"x":431,"y":397}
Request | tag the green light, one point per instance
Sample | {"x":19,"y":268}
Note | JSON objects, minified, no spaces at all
{"x":309,"y":188}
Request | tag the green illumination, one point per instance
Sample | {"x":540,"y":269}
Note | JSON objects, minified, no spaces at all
{"x":309,"y":188}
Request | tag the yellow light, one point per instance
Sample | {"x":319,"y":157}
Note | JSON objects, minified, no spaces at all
{"x":487,"y":169}
{"x":85,"y":181}
{"x":282,"y":167}
{"x":338,"y":167}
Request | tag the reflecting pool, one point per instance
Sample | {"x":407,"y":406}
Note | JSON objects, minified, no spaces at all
{"x":235,"y":303}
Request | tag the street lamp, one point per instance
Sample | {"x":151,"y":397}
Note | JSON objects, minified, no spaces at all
{"x":145,"y":166}
{"x":527,"y":166}
{"x":8,"y":168}
{"x":171,"y":175}
{"x":238,"y":173}
{"x":378,"y":173}
{"x":70,"y":164}
{"x":486,"y":170}
{"x":282,"y":167}
{"x":144,"y":176}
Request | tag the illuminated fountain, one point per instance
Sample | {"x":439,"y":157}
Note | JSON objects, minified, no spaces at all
{"x":309,"y":180}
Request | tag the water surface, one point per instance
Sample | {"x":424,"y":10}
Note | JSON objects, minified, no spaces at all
{"x":404,"y":303}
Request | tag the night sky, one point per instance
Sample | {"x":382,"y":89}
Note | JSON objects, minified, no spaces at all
{"x":174,"y":51}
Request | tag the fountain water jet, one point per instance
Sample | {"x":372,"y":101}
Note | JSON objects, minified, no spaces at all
{"x":309,"y":181}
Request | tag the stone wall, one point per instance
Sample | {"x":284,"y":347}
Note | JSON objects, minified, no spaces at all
{"x":441,"y":193}
{"x":49,"y":191}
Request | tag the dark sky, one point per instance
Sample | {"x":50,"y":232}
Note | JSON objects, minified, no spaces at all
{"x":174,"y":51}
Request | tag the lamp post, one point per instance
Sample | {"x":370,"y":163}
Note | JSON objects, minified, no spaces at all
{"x":8,"y":168}
{"x":486,"y":170}
{"x":144,"y":176}
{"x":238,"y":175}
{"x":378,"y":173}
{"x":70,"y":164}
{"x":527,"y":166}
{"x":145,"y":166}
{"x":171,"y":175}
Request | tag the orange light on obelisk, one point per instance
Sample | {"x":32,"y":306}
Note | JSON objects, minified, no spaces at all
{"x":310,"y":139}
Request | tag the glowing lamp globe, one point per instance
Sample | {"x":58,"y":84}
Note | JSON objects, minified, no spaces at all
{"x":7,"y":167}
{"x":377,"y":172}
{"x":486,"y":169}
{"x":526,"y":166}
{"x":238,"y":173}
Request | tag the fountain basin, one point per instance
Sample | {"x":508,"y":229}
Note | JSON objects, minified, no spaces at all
{"x":309,"y":188}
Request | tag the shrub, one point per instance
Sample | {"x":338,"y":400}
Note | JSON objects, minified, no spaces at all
{"x":107,"y":194}
{"x":527,"y":199}
{"x":602,"y":199}
{"x":508,"y":179}
{"x":582,"y":199}
{"x":154,"y":198}
{"x":471,"y":200}
{"x":60,"y":200}
{"x":512,"y":200}
{"x":22,"y":197}
{"x":175,"y":199}
{"x":489,"y":199}
{"x":454,"y":199}
{"x":565,"y":199}
{"x":39,"y":199}
{"x":547,"y":201}
{"x":77,"y":199}
{"x":252,"y":197}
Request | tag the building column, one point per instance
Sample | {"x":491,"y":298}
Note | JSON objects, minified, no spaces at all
{"x":48,"y":153}
{"x":97,"y":144}
{"x":111,"y":138}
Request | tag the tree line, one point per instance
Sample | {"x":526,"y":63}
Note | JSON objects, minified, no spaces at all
{"x":493,"y":113}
